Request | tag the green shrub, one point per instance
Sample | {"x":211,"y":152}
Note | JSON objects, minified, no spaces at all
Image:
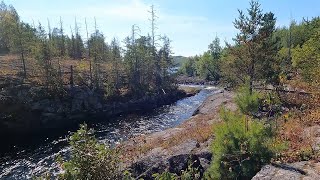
{"x":165,"y":176}
{"x":190,"y":173}
{"x":270,"y":102}
{"x":127,"y":176}
{"x":247,"y":102}
{"x":240,"y":147}
{"x":90,"y":159}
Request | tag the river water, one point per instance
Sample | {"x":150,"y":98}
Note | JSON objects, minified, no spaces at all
{"x":39,"y":157}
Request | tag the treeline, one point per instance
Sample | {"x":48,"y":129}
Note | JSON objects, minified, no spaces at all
{"x":206,"y":65}
{"x":266,"y":127}
{"x":140,"y":66}
{"x":261,"y":52}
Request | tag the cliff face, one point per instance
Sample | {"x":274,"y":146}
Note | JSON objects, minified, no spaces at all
{"x":25,"y":109}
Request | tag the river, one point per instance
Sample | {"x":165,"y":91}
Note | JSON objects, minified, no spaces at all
{"x":39,"y":156}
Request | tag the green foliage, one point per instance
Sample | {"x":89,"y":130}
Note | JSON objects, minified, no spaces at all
{"x":98,"y":49}
{"x":295,"y":42}
{"x":189,"y":66}
{"x":207,"y":65}
{"x":127,"y":176}
{"x":254,"y":54}
{"x":247,"y":102}
{"x":144,"y":65}
{"x":190,"y":173}
{"x":240,"y":147}
{"x":270,"y":102}
{"x":89,"y":159}
{"x":165,"y":176}
{"x":307,"y":58}
{"x":179,"y":60}
{"x":9,"y":23}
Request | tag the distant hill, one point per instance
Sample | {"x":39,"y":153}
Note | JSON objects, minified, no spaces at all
{"x":178,"y":60}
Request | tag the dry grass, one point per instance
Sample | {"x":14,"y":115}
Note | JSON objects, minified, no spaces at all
{"x":11,"y":67}
{"x":197,"y":129}
{"x":297,"y":125}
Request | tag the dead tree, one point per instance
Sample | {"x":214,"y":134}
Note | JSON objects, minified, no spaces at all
{"x":88,"y":54}
{"x":154,"y":51}
{"x":20,"y":35}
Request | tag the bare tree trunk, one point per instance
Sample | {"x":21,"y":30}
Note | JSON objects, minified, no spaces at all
{"x":22,"y":52}
{"x":251,"y":70}
{"x":155,"y":59}
{"x":24,"y":64}
{"x":73,"y":44}
{"x":71,"y":76}
{"x":88,"y":54}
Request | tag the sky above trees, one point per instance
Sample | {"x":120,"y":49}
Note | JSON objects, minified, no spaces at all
{"x":191,"y":25}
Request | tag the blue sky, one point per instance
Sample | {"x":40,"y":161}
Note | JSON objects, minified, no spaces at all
{"x":190,"y":24}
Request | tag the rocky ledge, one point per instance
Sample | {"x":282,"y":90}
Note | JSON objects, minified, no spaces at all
{"x":25,"y":109}
{"x":304,"y":170}
{"x":176,"y":148}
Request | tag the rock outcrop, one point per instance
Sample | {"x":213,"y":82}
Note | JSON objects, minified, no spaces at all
{"x":175,"y":164}
{"x":25,"y":109}
{"x":176,"y":148}
{"x":305,"y":170}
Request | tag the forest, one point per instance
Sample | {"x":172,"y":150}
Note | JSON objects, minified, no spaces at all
{"x":282,"y":53}
{"x":47,"y":53}
{"x":272,"y":74}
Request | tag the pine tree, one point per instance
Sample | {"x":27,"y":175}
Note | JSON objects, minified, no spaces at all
{"x":9,"y":21}
{"x":116,"y":62}
{"x":254,"y":45}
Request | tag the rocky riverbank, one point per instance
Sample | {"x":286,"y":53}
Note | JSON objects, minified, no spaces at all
{"x":26,"y":109}
{"x":174,"y":148}
{"x":183,"y":79}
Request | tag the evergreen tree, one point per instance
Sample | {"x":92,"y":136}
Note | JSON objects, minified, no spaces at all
{"x":307,"y":59}
{"x":255,"y":50}
{"x":116,"y":62}
{"x":9,"y":21}
{"x":165,"y":60}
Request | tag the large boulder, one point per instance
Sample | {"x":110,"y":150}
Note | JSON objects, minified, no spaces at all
{"x":305,"y":170}
{"x":145,"y":168}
